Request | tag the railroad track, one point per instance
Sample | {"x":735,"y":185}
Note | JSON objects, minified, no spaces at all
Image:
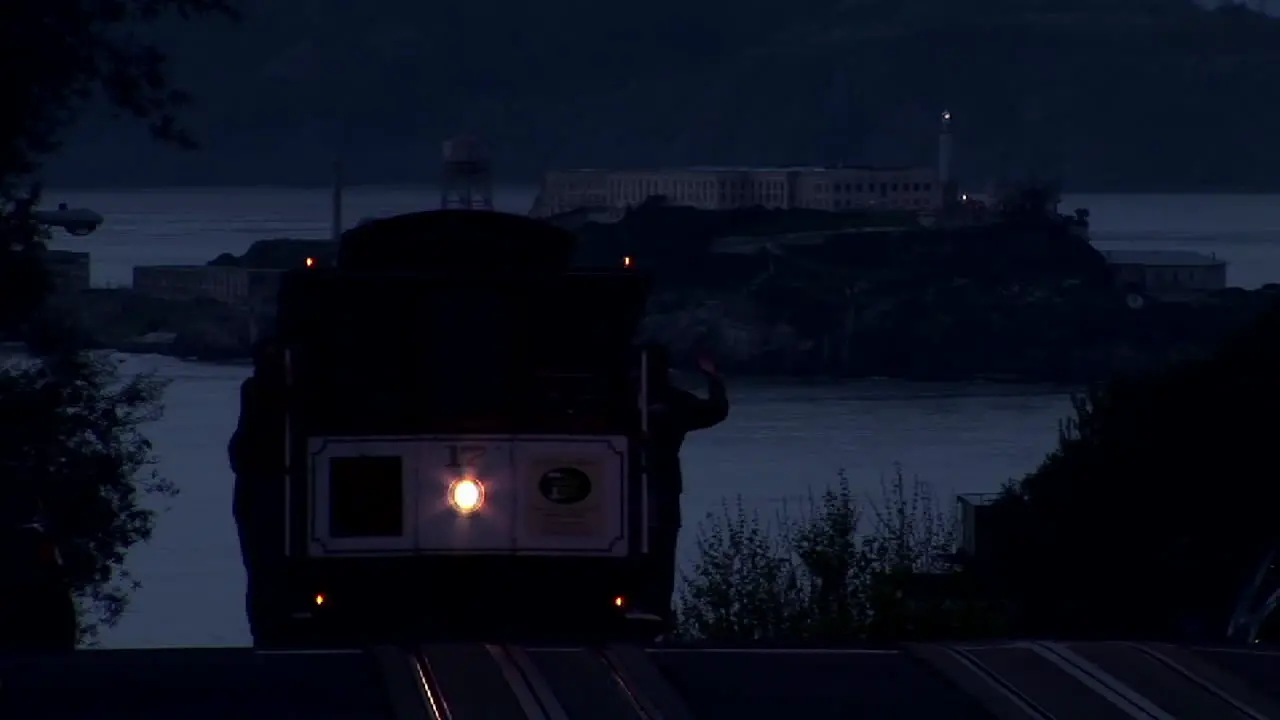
{"x":509,"y":682}
{"x":1020,"y":680}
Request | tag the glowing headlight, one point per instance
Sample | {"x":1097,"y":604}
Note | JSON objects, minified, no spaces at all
{"x":466,"y":495}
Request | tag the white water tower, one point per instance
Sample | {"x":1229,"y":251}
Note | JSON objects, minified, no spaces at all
{"x":466,"y":180}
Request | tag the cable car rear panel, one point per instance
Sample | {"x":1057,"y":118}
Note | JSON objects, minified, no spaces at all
{"x":403,"y":383}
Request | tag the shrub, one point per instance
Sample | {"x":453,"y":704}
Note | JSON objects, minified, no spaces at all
{"x":70,"y":447}
{"x":844,"y":569}
{"x":76,"y":447}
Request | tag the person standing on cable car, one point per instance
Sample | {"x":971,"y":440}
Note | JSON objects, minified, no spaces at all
{"x":673,"y":414}
{"x":256,"y":451}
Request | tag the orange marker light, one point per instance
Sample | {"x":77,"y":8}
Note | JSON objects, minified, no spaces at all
{"x":319,"y":599}
{"x":619,"y":601}
{"x":311,"y":262}
{"x":626,"y":261}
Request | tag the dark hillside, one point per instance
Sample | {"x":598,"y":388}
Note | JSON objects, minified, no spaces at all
{"x":1116,"y":95}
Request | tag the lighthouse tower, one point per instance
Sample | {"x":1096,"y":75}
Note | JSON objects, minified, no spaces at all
{"x":945,"y":180}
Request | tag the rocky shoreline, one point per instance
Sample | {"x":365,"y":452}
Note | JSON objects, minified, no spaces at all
{"x":1022,"y":300}
{"x":124,"y":320}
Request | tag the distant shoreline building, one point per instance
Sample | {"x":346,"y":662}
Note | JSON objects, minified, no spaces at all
{"x":922,"y":189}
{"x":1167,"y":273}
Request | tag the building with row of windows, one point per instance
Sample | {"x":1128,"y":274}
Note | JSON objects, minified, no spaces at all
{"x":841,"y":188}
{"x":1166,"y":272}
{"x":722,"y":188}
{"x":250,"y":281}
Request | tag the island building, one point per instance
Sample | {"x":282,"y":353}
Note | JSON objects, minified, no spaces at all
{"x":244,"y":281}
{"x":1168,"y":273}
{"x":252,"y":282}
{"x":249,"y":284}
{"x":722,"y":188}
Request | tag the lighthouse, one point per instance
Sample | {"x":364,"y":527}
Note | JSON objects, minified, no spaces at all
{"x":946,"y":184}
{"x":944,"y":150}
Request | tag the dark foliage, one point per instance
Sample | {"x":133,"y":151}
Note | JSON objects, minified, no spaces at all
{"x":79,"y":451}
{"x":1030,"y":202}
{"x":1146,"y":522}
{"x":845,"y":569}
{"x":24,"y":278}
{"x":71,"y":440}
{"x":61,"y":54}
{"x":1158,"y":503}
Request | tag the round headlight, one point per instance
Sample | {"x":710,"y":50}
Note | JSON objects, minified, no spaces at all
{"x":466,"y":495}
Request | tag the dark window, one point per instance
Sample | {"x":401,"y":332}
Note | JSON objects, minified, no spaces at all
{"x":366,"y":497}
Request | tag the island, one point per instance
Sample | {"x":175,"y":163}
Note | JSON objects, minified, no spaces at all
{"x":1014,"y":293}
{"x":1019,"y":295}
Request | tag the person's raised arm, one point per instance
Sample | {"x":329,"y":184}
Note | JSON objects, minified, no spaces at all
{"x":700,"y":414}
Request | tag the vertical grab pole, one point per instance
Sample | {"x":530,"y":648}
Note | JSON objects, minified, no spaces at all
{"x":644,"y":393}
{"x":335,"y":223}
{"x":288,"y":452}
{"x":644,"y":457}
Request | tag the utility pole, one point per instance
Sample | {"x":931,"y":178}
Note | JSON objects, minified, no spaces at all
{"x":335,"y":231}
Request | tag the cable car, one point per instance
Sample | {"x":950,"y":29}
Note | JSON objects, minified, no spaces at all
{"x":466,"y":415}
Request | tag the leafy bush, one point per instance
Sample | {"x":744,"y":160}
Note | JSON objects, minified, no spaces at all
{"x":1104,"y":539}
{"x":844,"y":569}
{"x":75,"y":447}
{"x":25,"y":280}
{"x":71,"y":447}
